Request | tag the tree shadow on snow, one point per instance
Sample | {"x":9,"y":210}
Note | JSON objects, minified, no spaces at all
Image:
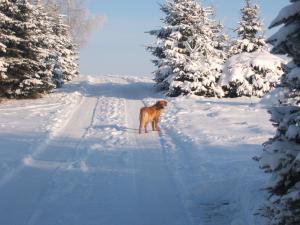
{"x":39,"y":153}
{"x":61,"y":176}
{"x":131,"y":91}
{"x":115,"y":127}
{"x":227,"y":103}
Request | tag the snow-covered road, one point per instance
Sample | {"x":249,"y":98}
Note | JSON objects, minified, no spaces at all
{"x":94,"y":168}
{"x":75,"y":158}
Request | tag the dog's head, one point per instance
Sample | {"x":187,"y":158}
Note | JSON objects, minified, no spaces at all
{"x":161,"y":104}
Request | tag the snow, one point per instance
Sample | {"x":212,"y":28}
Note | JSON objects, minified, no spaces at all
{"x":294,"y":75}
{"x":254,"y":73}
{"x":274,"y":97}
{"x":293,"y":132}
{"x":239,"y":66}
{"x":285,"y":13}
{"x":2,"y":47}
{"x":75,"y":157}
{"x":283,"y":33}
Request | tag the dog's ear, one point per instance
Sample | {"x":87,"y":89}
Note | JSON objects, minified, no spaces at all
{"x":161,"y":104}
{"x":158,"y":105}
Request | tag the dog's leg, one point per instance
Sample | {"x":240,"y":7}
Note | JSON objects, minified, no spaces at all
{"x":146,"y":125}
{"x":142,"y":121}
{"x":141,"y":126}
{"x":153,"y":125}
{"x":156,"y":124}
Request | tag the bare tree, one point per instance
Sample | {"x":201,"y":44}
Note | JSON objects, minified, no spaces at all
{"x":80,"y":20}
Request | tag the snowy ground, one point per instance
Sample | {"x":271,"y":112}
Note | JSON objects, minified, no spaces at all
{"x":75,"y":158}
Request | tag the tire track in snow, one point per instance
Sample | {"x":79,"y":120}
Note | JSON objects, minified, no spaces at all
{"x":144,"y":208}
{"x":148,"y":157}
{"x":56,"y":131}
{"x":208,"y":175}
{"x":81,"y":131}
{"x":36,"y":150}
{"x":122,"y":181}
{"x":104,"y":110}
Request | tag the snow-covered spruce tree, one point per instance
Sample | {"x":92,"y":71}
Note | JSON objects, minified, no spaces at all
{"x":188,"y":50}
{"x":3,"y":65}
{"x":62,"y":51}
{"x":249,"y":37}
{"x":281,"y":155}
{"x":26,"y":72}
{"x":251,"y":70}
{"x":68,"y":53}
{"x":51,"y":41}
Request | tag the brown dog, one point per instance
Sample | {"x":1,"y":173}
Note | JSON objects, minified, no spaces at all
{"x":151,"y":114}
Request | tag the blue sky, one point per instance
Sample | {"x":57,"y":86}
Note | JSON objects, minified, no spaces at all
{"x":118,"y":48}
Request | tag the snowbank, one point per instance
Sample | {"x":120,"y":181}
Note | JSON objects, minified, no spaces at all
{"x":252,"y":74}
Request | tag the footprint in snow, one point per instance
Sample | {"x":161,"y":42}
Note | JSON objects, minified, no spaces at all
{"x":214,"y":114}
{"x":241,"y":123}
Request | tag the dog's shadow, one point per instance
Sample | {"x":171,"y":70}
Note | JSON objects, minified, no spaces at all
{"x":115,"y":127}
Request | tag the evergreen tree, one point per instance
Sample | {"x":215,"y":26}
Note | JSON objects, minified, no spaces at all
{"x":50,"y":55}
{"x":249,"y":39}
{"x":3,"y":65}
{"x":27,"y":73}
{"x":251,"y":70}
{"x":189,"y":50}
{"x":63,"y":54}
{"x":51,"y":41}
{"x":281,"y":156}
{"x":66,"y":50}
